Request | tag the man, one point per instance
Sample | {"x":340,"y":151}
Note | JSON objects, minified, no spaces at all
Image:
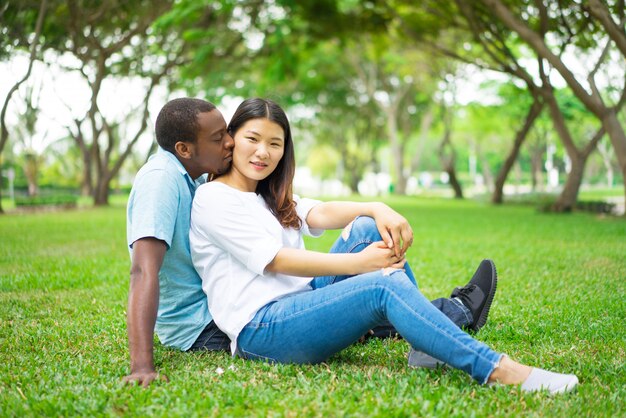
{"x":165,"y":291}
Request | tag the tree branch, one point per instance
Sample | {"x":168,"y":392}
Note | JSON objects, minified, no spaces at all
{"x":592,"y":102}
{"x":4,"y":132}
{"x":599,"y":11}
{"x":594,"y":142}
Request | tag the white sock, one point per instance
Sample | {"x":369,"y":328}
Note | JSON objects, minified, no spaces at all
{"x":540,"y":379}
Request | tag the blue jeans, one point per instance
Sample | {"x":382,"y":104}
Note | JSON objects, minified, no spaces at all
{"x":211,"y":339}
{"x":309,"y":327}
{"x":361,"y":233}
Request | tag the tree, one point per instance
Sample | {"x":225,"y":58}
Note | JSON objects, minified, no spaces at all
{"x":446,"y":150}
{"x":33,"y":47}
{"x":443,"y":28}
{"x":32,"y":151}
{"x":400,"y":81}
{"x":111,"y":40}
{"x":591,"y":97}
{"x":502,"y":50}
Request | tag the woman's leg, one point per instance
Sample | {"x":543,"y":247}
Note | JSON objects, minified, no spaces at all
{"x":359,"y":234}
{"x":311,"y":326}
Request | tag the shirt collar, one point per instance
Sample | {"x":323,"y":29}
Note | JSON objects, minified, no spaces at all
{"x":179,"y":166}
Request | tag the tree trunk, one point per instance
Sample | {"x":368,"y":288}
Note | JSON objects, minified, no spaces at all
{"x":31,"y":172}
{"x":485,"y":168}
{"x":606,"y":160}
{"x":101,"y":192}
{"x":533,"y":113}
{"x":615,"y":131}
{"x":351,"y":172}
{"x":566,"y":201}
{"x":536,"y":164}
{"x":396,"y":152}
{"x":353,"y":183}
{"x":86,"y":187}
{"x":425,"y":125}
{"x":153,"y":149}
{"x":448,"y":158}
{"x":454,"y":182}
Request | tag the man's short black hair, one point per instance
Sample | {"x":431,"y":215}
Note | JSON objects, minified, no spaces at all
{"x":178,"y":121}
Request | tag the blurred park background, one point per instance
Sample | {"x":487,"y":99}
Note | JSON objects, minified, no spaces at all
{"x":505,"y":100}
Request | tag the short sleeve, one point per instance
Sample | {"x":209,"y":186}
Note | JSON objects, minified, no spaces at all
{"x":232,"y":224}
{"x":303,"y":207}
{"x":153,"y":207}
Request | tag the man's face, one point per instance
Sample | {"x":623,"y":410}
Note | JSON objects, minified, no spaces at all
{"x":213,"y":151}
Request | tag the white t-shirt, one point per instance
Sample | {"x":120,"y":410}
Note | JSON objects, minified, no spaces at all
{"x":233,"y":237}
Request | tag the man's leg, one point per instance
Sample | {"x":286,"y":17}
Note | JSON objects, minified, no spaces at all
{"x":476,"y":297}
{"x":212,"y":339}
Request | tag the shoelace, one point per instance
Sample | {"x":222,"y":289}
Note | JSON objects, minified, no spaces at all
{"x":465,"y":290}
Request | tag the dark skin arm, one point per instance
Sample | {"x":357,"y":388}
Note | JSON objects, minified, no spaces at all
{"x":143,"y":302}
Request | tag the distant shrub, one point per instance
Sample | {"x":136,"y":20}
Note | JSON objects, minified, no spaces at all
{"x":51,"y":200}
{"x":596,"y":206}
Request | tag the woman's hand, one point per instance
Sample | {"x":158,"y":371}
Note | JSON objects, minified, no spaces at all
{"x":378,"y":255}
{"x":393,"y":228}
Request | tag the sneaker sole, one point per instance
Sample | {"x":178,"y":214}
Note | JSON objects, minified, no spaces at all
{"x":484,"y":313}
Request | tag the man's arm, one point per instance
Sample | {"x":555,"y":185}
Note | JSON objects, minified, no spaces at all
{"x":143,"y":302}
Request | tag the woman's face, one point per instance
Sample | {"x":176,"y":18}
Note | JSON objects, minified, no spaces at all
{"x":259,"y":147}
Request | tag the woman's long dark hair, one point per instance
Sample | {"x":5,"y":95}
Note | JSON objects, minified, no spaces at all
{"x":276,"y":189}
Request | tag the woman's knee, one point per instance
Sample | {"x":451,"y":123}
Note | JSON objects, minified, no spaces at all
{"x":389,"y":278}
{"x":398,"y":278}
{"x":361,"y":225}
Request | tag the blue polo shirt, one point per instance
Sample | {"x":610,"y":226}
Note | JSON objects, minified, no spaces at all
{"x":159,"y":206}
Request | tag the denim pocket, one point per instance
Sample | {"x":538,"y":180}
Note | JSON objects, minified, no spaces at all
{"x":247,"y":355}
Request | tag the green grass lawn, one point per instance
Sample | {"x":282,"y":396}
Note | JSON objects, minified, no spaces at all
{"x":561,"y":304}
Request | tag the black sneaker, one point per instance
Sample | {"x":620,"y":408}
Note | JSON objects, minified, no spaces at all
{"x":478,"y":294}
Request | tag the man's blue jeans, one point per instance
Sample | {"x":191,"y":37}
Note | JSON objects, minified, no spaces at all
{"x":309,"y":327}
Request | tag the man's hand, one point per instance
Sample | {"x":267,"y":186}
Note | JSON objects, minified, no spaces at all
{"x":393,"y":228}
{"x":144,"y":377}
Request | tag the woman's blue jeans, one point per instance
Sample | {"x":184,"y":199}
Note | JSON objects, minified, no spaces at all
{"x":309,"y":327}
{"x":361,"y":233}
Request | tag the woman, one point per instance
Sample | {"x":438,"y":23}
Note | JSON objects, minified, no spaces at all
{"x":249,"y":251}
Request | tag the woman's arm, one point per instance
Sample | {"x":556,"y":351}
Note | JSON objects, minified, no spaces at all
{"x":393,"y":227}
{"x":298,"y":262}
{"x":336,"y":215}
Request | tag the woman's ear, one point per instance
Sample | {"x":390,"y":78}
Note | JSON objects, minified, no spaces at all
{"x":183,"y":149}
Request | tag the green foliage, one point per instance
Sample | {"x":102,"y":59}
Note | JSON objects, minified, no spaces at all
{"x":63,"y":347}
{"x":323,"y":161}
